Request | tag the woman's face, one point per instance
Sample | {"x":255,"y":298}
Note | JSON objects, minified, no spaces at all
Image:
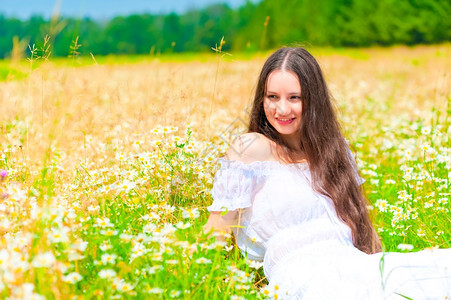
{"x":283,"y":105}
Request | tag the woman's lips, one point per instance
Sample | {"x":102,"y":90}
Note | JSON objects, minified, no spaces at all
{"x":285,"y":121}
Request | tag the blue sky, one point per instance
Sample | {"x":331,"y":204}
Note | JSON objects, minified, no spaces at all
{"x":103,"y":9}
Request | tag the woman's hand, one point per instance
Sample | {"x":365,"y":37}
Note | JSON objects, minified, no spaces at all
{"x":221,"y":222}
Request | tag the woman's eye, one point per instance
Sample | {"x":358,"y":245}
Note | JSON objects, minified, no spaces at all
{"x":272,"y":97}
{"x":296,"y":97}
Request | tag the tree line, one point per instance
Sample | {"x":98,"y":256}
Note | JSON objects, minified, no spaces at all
{"x":251,"y":27}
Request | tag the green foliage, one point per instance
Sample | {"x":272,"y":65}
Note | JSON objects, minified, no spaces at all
{"x":253,"y":26}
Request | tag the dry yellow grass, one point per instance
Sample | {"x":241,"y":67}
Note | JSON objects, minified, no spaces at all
{"x":61,"y":105}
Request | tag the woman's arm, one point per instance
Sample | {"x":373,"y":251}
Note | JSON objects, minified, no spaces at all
{"x":246,"y":148}
{"x":221,"y":222}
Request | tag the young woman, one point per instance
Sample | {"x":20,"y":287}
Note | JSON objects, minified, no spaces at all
{"x":291,"y":194}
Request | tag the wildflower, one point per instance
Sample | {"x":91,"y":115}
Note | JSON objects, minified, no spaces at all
{"x":152,"y":215}
{"x":221,"y":234}
{"x":79,"y":245}
{"x":203,"y":260}
{"x":429,"y":204}
{"x":426,"y":130}
{"x":405,"y":247}
{"x":266,"y":291}
{"x":168,"y":229}
{"x":403,"y":195}
{"x":83,"y":219}
{"x":189,"y":148}
{"x":156,"y":256}
{"x":73,"y":277}
{"x":156,"y":143}
{"x":432,"y":248}
{"x":5,"y":224}
{"x":154,"y":269}
{"x":176,"y":140}
{"x":43,"y":260}
{"x":156,"y":130}
{"x":25,"y":291}
{"x":192,"y":213}
{"x":137,"y":250}
{"x":172,"y":261}
{"x":126,"y":186}
{"x":181,"y":225}
{"x":120,"y":157}
{"x":105,"y":246}
{"x":420,"y":232}
{"x":109,"y":232}
{"x":149,"y":228}
{"x":390,"y":181}
{"x":242,"y":287}
{"x":124,"y":287}
{"x":381,"y":205}
{"x":442,"y":200}
{"x":430,"y":195}
{"x":107,"y":273}
{"x":74,"y":255}
{"x":4,"y":258}
{"x":255,"y":264}
{"x":104,"y":222}
{"x":126,"y":237}
{"x":374,"y":181}
{"x":137,"y":143}
{"x":108,"y":258}
{"x":174,"y":293}
{"x":426,"y":148}
{"x":155,"y":290}
{"x":408,"y":153}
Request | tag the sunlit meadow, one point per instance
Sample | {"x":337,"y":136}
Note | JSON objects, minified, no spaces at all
{"x":107,"y":165}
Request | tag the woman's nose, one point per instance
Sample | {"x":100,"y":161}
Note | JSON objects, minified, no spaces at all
{"x":281,"y":107}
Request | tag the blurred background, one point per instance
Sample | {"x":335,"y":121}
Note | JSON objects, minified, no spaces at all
{"x":152,"y":27}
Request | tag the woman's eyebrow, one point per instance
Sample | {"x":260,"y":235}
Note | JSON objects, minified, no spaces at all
{"x":292,"y":93}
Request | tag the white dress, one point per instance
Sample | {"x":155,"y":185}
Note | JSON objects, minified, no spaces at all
{"x":307,"y":252}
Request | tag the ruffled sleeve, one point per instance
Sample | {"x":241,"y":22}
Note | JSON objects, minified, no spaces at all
{"x":233,"y":186}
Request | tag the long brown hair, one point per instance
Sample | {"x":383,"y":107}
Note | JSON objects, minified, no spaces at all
{"x":333,"y":169}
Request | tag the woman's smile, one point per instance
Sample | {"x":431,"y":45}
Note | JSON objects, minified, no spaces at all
{"x":285,"y":121}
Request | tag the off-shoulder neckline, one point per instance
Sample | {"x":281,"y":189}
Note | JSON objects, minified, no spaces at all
{"x":262,"y":163}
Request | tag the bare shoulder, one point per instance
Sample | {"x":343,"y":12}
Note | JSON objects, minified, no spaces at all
{"x":250,"y":147}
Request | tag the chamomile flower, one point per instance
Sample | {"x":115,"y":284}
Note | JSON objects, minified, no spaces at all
{"x":73,"y":277}
{"x":44,"y":260}
{"x":192,"y":213}
{"x":107,"y":273}
{"x":108,"y":258}
{"x":381,"y":205}
{"x":203,"y":260}
{"x":405,"y":247}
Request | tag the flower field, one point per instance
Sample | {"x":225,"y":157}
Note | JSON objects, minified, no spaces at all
{"x":106,"y":167}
